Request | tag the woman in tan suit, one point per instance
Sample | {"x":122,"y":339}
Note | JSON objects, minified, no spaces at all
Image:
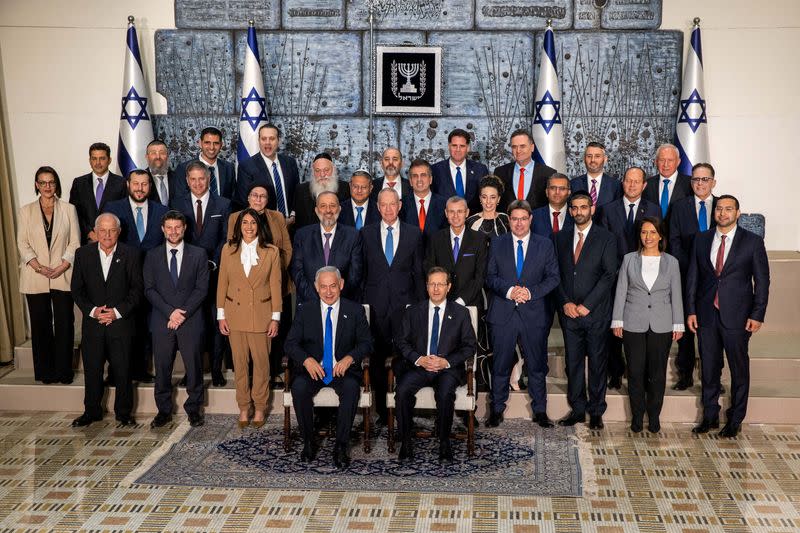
{"x":47,"y":237}
{"x":249,"y":309}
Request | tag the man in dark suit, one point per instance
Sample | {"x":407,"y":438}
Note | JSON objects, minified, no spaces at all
{"x":432,"y":359}
{"x":223,"y":173}
{"x":603,"y":188}
{"x":326,"y":244}
{"x":360,"y":209}
{"x":140,"y":221}
{"x":393,"y":278}
{"x":91,"y":192}
{"x":328,"y":356}
{"x":325,"y":178}
{"x":553,"y":217}
{"x":522,"y":271}
{"x":391,"y":164}
{"x":107,"y":287}
{"x":166,"y":183}
{"x":176,"y":284}
{"x":587,"y":260}
{"x":727,"y":289}
{"x":689,"y":217}
{"x":457,"y":175}
{"x":523,"y":179}
{"x":668,"y":186}
{"x":423,"y":208}
{"x":621,"y":217}
{"x":462,"y":253}
{"x":207,"y":227}
{"x":277,"y":172}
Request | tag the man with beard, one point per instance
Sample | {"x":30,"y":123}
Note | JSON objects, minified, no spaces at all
{"x":602,"y":187}
{"x":166,"y":183}
{"x":391,"y":163}
{"x":325,"y":179}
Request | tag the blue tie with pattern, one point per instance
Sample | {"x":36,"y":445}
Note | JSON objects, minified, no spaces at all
{"x":140,"y":224}
{"x":173,"y":266}
{"x":665,"y":199}
{"x":456,"y":248}
{"x":434,"y":347}
{"x":520,"y":258}
{"x":703,"y":216}
{"x":389,"y":246}
{"x":327,"y":349}
{"x":214,"y":187}
{"x":459,"y":183}
{"x":280,"y":199}
{"x":359,"y":217}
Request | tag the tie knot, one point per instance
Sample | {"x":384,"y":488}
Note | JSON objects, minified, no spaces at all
{"x":391,"y":184}
{"x":199,"y":202}
{"x":723,"y":237}
{"x":330,"y":309}
{"x":174,"y":251}
{"x":519,"y":242}
{"x":556,"y":213}
{"x":594,"y":181}
{"x":666,"y":181}
{"x":100,"y":181}
{"x":631,"y":205}
{"x":139,"y":209}
{"x":421,"y":201}
{"x":436,"y":309}
{"x":327,"y":235}
{"x":389,"y":229}
{"x":456,"y":239}
{"x":702,"y":203}
{"x":359,"y":209}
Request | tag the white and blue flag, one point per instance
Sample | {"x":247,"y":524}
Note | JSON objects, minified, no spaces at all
{"x":254,"y":101}
{"x":135,"y":126}
{"x":691,"y":131}
{"x":548,"y":131}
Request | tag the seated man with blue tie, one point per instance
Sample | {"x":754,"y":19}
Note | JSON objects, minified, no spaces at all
{"x":360,"y":209}
{"x":433,"y":360}
{"x":328,"y":356}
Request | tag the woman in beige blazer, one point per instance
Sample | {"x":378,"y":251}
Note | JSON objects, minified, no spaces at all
{"x":249,"y":309}
{"x":47,"y":237}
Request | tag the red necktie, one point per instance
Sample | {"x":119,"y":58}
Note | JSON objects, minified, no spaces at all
{"x":718,"y":267}
{"x":521,"y":186}
{"x":555,"y":221}
{"x":390,"y":184}
{"x":422,"y":214}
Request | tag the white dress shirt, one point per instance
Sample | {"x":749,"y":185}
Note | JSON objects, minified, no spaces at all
{"x":626,"y":202}
{"x":463,"y":167}
{"x":598,"y":180}
{"x":528,"y":177}
{"x":717,"y":241}
{"x":525,"y":240}
{"x":562,"y":215}
{"x":453,"y":236}
{"x":427,"y":203}
{"x":277,"y":161}
{"x":398,"y":185}
{"x":105,"y":265}
{"x":671,"y":186}
{"x":334,"y":321}
{"x":323,"y":231}
{"x":365,"y":205}
{"x":95,"y":182}
{"x":395,"y":235}
{"x":178,"y":256}
{"x":585,"y":232}
{"x":203,"y":202}
{"x":709,"y":211}
{"x":215,"y":166}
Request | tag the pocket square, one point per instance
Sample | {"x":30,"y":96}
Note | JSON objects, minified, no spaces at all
{"x":215,"y":216}
{"x":469,"y":255}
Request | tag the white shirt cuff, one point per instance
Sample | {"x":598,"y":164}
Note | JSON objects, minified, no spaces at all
{"x":91,"y":313}
{"x":460,"y":301}
{"x":678,"y":328}
{"x":220,"y":313}
{"x":117,"y":313}
{"x":508,"y":294}
{"x":276,"y":316}
{"x":616,"y":324}
{"x":416,"y":363}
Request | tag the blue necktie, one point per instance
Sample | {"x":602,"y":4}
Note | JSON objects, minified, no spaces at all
{"x":629,"y":221}
{"x":459,"y":183}
{"x":214,"y":187}
{"x":389,"y":246}
{"x":279,"y":198}
{"x":665,"y":199}
{"x":703,"y":216}
{"x":434,"y":348}
{"x":455,"y":249}
{"x":359,"y":218}
{"x":173,"y":266}
{"x":140,"y":223}
{"x":327,"y":349}
{"x":520,"y":258}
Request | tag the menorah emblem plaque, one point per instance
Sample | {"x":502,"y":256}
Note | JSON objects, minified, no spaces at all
{"x":408,"y":71}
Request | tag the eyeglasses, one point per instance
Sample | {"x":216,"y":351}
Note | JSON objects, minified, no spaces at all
{"x":257,"y":196}
{"x":704,"y":180}
{"x":437,"y":285}
{"x":46,"y":183}
{"x":358,"y":187}
{"x":519,"y":219}
{"x":557,"y":188}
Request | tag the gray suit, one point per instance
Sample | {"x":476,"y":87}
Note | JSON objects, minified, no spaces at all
{"x":641,"y":308}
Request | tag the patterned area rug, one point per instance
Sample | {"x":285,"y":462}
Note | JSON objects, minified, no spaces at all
{"x":516,"y":459}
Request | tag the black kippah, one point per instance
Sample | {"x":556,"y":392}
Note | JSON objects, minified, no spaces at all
{"x":323,"y":155}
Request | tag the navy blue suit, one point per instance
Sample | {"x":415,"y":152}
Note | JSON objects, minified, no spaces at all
{"x":369,"y":216}
{"x":610,"y":190}
{"x":81,"y":195}
{"x":165,"y":297}
{"x":153,"y":236}
{"x":254,"y":170}
{"x":308,"y":257}
{"x":527,"y":322}
{"x":443,"y":181}
{"x":681,"y":189}
{"x":175,"y":185}
{"x":537,"y":195}
{"x":226,"y":180}
{"x":614,"y":219}
{"x":743,"y":287}
{"x":542,"y":223}
{"x":434,"y":214}
{"x":468,"y":272}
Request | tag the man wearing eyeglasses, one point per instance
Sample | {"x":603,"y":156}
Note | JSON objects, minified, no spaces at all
{"x":358,"y":210}
{"x":690,"y":216}
{"x":553,"y":217}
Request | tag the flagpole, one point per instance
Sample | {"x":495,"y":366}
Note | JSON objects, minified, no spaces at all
{"x":372,"y":88}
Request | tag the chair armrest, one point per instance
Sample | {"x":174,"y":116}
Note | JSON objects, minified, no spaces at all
{"x":286,"y":373}
{"x":285,"y":362}
{"x":470,"y":364}
{"x":389,"y":361}
{"x":365,"y":362}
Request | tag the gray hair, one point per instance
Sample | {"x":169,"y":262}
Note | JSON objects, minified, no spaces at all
{"x":325,"y":270}
{"x":456,"y":199}
{"x":390,"y":191}
{"x":112,"y":216}
{"x":668,"y":146}
{"x":198,"y":165}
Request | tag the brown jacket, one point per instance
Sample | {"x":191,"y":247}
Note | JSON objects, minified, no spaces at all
{"x":249,"y":301}
{"x":280,"y":238}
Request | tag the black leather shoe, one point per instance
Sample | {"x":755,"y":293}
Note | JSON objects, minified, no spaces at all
{"x":636,"y":426}
{"x":341,"y":459}
{"x":182,"y":382}
{"x":406,"y":452}
{"x":615,"y":383}
{"x":218,"y":380}
{"x":160,"y":420}
{"x":596,"y":422}
{"x":196,"y":420}
{"x":66,"y":381}
{"x":465,"y":419}
{"x":494,"y":420}
{"x":125,"y":421}
{"x":706,"y":425}
{"x":543,"y":420}
{"x":144,"y":378}
{"x":445,"y":451}
{"x":572,"y":418}
{"x":307,"y":455}
{"x":84,"y":420}
{"x":683,"y":384}
{"x":730,"y":431}
{"x":654,"y":426}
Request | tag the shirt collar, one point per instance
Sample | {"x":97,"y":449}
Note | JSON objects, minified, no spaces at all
{"x":460,"y":236}
{"x":395,"y":226}
{"x":585,"y":230}
{"x":332,"y":231}
{"x":729,"y":236}
{"x":670,"y":178}
{"x":104,"y":177}
{"x":206,"y":163}
{"x":203,"y":198}
{"x":269,"y":161}
{"x":324,"y":307}
{"x":562,"y":210}
{"x":709,"y":200}
{"x":134,"y":205}
{"x":441,"y":306}
{"x":179,"y":247}
{"x":462,"y":166}
{"x":103,"y":254}
{"x":427,"y":199}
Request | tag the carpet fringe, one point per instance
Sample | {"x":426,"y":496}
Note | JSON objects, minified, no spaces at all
{"x":588,"y":475}
{"x":148,"y":462}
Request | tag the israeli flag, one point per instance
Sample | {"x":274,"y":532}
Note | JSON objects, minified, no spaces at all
{"x":548,"y":132}
{"x":254,"y":101}
{"x":691,"y":131}
{"x":135,"y":126}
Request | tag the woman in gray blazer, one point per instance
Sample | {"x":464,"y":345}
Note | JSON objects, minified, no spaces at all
{"x":648,"y":316}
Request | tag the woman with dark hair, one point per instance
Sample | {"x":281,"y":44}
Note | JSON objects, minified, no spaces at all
{"x":648,"y":316}
{"x":249,"y":303}
{"x":489,"y":220}
{"x":47,"y":238}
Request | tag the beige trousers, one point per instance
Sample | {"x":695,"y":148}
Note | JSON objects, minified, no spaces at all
{"x":255,"y":346}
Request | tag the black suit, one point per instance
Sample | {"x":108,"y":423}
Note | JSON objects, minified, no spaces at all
{"x":469,"y":271}
{"x":743,"y":288}
{"x":370,"y":215}
{"x":456,"y":344}
{"x":81,"y":195}
{"x":536,"y":194}
{"x":681,"y":189}
{"x":377,"y":187}
{"x":610,"y":190}
{"x":226,"y":180}
{"x":588,"y":282}
{"x":254,"y":170}
{"x":434,"y":214}
{"x":165,"y":297}
{"x":444,"y":186}
{"x":175,"y":185}
{"x":121,"y":290}
{"x":304,"y":203}
{"x":306,"y":339}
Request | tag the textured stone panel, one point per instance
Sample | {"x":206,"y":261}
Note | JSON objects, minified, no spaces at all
{"x":587,"y":15}
{"x":489,"y":74}
{"x":620,"y":88}
{"x":522,"y":14}
{"x":632,"y":15}
{"x":313,"y":14}
{"x":307,"y":73}
{"x":411,"y":15}
{"x":181,"y":133}
{"x":228,"y":14}
{"x":368,"y":63}
{"x":194,"y":71}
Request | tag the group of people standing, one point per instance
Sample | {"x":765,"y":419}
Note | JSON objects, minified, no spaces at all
{"x":207,"y":259}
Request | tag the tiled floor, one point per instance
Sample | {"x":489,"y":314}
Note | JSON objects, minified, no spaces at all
{"x":53,"y":477}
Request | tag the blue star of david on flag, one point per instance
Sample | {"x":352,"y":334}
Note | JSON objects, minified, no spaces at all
{"x":693,"y":122}
{"x":261,"y":106}
{"x":133,"y":98}
{"x":547,"y":124}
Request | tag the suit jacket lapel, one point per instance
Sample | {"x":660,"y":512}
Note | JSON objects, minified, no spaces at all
{"x":116,"y":261}
{"x":341,"y":322}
